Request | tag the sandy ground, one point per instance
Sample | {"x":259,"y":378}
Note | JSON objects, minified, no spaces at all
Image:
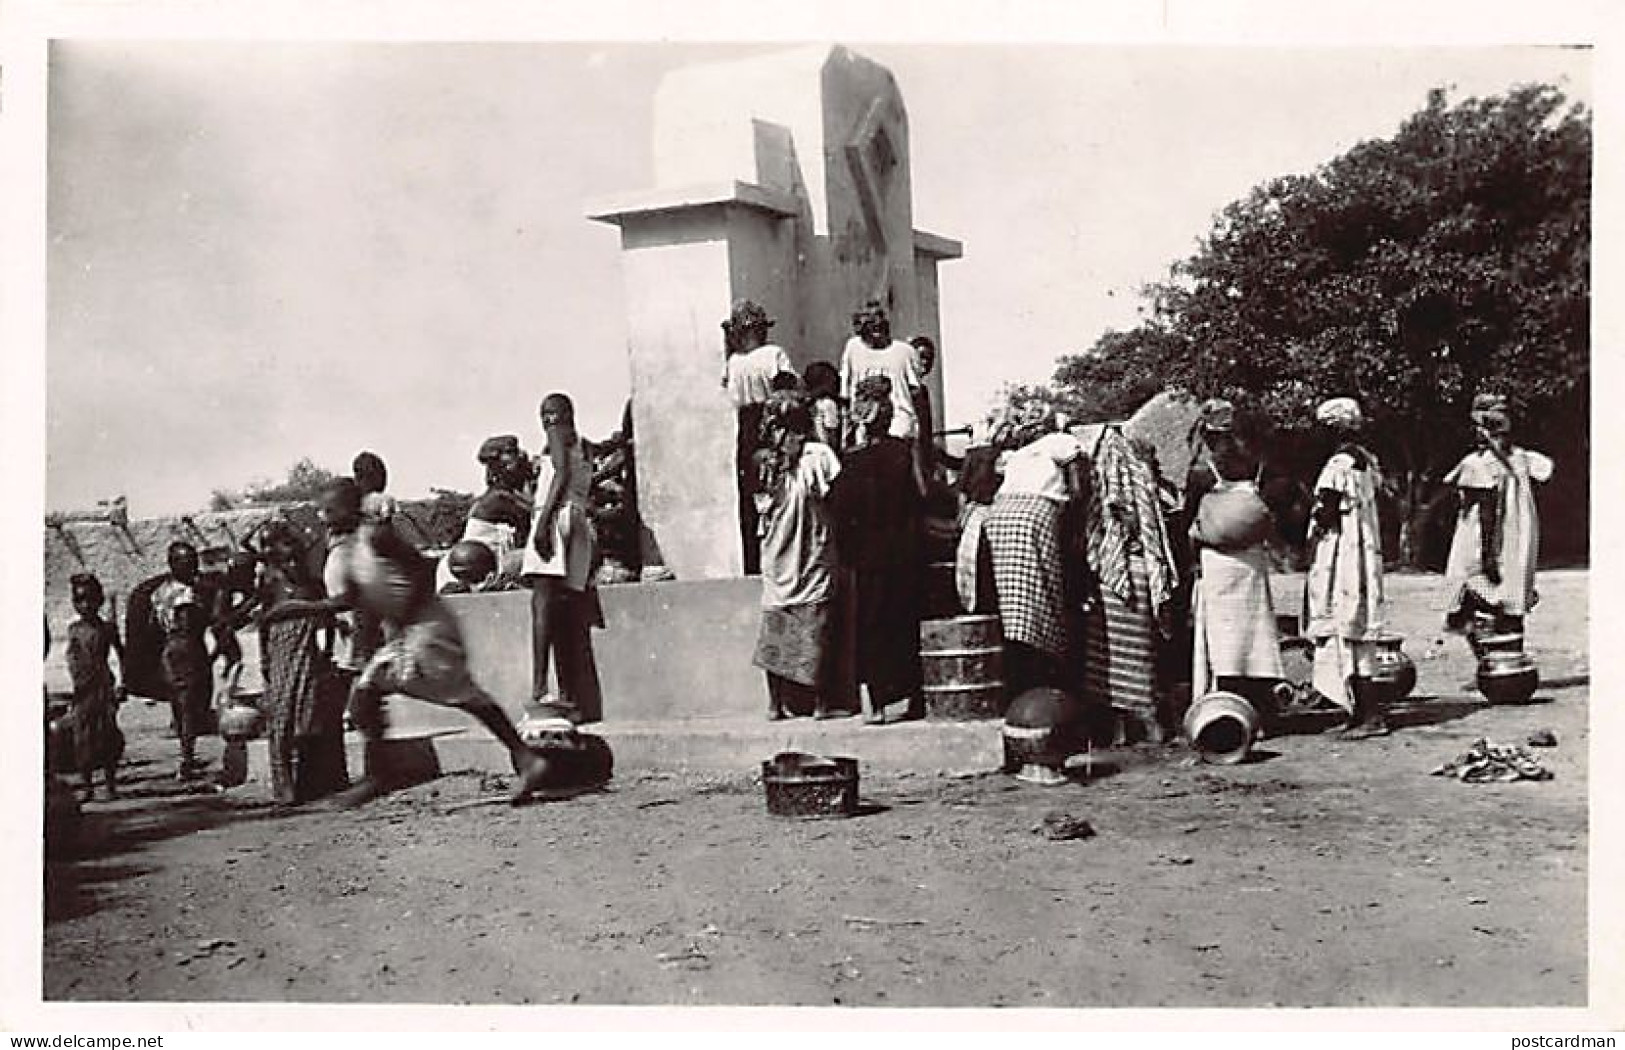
{"x":1323,"y":873}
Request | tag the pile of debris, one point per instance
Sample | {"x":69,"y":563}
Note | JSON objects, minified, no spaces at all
{"x":1485,"y":763}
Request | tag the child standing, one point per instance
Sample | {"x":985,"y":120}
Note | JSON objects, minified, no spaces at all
{"x":97,"y":742}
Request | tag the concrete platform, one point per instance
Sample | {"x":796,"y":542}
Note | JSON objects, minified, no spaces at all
{"x":732,"y":746}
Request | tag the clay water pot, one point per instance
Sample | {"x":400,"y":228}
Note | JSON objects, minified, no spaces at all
{"x":471,"y":562}
{"x":1040,"y":733}
{"x":1221,"y":727}
{"x":1507,"y":677}
{"x":241,"y":721}
{"x":1381,"y":666}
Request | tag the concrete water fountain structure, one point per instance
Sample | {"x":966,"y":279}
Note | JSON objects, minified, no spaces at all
{"x":785,"y":179}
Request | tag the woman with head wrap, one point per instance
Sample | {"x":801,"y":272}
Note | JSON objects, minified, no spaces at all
{"x":798,"y":560}
{"x":1235,"y":646}
{"x":1490,"y":574}
{"x":1132,"y":581}
{"x":1024,"y":532}
{"x":878,"y":498}
{"x":1342,"y":595}
{"x":499,"y":519}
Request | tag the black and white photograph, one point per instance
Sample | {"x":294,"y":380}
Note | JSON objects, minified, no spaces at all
{"x":844,"y":522}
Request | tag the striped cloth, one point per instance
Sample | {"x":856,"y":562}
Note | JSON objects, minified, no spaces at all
{"x":1119,"y":659}
{"x":1024,"y":534}
{"x":1125,"y":520}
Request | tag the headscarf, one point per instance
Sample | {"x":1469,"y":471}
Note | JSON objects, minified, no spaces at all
{"x":1216,"y":416}
{"x":1124,"y":514}
{"x":1341,"y":412}
{"x":493,"y":449}
{"x":746,"y":315}
{"x":1490,"y":413}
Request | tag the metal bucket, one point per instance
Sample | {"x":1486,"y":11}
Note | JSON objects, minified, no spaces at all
{"x":810,"y":787}
{"x":1507,"y":677}
{"x":1221,"y":727}
{"x":962,"y":667}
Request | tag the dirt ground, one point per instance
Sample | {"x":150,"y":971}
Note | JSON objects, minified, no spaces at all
{"x":1322,"y":874}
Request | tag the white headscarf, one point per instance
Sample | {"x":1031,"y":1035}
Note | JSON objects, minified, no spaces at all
{"x":1340,"y":412}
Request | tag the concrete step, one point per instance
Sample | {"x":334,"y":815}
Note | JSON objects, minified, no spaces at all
{"x":731,"y":746}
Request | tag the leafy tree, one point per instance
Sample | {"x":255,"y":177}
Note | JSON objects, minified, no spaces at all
{"x":303,"y":483}
{"x":1410,"y":272}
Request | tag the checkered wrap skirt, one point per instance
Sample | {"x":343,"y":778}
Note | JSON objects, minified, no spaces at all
{"x":1024,"y":534}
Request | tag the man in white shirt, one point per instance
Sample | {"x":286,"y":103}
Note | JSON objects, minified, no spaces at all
{"x":873,"y":351}
{"x":752,"y":368}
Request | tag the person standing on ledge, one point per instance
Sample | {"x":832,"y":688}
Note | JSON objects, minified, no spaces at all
{"x":558,"y":567}
{"x":1342,"y":595}
{"x":925,"y":362}
{"x":873,"y":352}
{"x":749,"y":370}
{"x":1490,"y":575}
{"x":500,"y":518}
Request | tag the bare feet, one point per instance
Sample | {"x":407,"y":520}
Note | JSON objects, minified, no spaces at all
{"x":359,"y":794}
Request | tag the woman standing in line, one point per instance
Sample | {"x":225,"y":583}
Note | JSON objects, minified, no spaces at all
{"x":798,"y":561}
{"x":1236,"y":647}
{"x":1024,"y":532}
{"x":878,"y":499}
{"x":1490,"y":574}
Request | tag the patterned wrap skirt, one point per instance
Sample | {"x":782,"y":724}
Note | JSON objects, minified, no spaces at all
{"x":793,"y":642}
{"x":1024,"y":534}
{"x":1119,"y":654}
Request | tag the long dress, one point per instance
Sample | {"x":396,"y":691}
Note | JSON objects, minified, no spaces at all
{"x":1511,"y":481}
{"x":293,"y":669}
{"x":97,"y":742}
{"x":878,"y":533}
{"x":798,"y":576}
{"x":1235,"y":614}
{"x":1342,"y":595}
{"x":1133,"y":564}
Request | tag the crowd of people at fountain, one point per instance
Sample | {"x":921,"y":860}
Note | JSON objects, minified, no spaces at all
{"x":1106,"y":580}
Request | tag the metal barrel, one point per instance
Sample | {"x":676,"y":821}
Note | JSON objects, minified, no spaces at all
{"x":962,"y":666}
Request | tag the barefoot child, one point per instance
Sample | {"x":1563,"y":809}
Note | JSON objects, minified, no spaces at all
{"x":380,"y":574}
{"x":97,"y":742}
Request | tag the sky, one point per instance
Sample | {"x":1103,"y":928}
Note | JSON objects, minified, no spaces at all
{"x":267,"y":251}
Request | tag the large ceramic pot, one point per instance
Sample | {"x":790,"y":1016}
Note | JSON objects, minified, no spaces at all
{"x":241,"y":721}
{"x":1221,"y":727}
{"x":1383,"y":669}
{"x":1040,"y":734}
{"x":1507,"y":677}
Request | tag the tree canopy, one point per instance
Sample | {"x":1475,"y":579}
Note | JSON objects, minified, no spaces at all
{"x":303,"y":483}
{"x":1410,"y":272}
